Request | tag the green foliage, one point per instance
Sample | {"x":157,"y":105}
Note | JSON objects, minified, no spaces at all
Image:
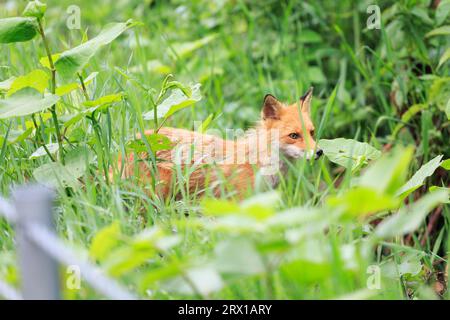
{"x":72,"y":61}
{"x":23,"y":104}
{"x":104,"y":241}
{"x":348,"y":153}
{"x":72,"y":103}
{"x":55,"y":174}
{"x":418,"y":178}
{"x":17,"y":29}
{"x":36,"y":79}
{"x":35,"y":9}
{"x":179,"y":98}
{"x":409,"y":219}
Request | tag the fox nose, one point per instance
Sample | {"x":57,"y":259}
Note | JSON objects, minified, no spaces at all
{"x":319,"y":153}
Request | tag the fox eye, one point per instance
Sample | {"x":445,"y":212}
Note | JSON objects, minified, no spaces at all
{"x":294,"y":135}
{"x":312,"y":132}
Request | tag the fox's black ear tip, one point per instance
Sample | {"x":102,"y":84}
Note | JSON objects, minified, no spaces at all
{"x":307,"y":93}
{"x":269,"y":96}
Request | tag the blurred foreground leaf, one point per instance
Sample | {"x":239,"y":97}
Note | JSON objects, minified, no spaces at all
{"x":408,"y":219}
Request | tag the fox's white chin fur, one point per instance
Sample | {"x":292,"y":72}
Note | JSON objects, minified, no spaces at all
{"x":294,"y":152}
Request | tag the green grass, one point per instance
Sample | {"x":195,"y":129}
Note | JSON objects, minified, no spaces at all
{"x":389,"y":92}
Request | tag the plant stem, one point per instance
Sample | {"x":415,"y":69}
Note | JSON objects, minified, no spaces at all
{"x":41,"y":136}
{"x":97,"y":131}
{"x":155,"y":111}
{"x":53,"y":89}
{"x":83,"y":87}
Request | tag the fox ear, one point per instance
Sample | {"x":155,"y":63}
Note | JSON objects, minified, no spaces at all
{"x":271,"y":108}
{"x":305,"y":100}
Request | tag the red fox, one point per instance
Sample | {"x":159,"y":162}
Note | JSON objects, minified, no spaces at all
{"x":214,"y":162}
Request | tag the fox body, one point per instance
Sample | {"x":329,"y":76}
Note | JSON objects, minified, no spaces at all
{"x":213,"y":162}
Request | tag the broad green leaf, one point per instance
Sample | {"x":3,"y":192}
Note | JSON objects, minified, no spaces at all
{"x":102,"y":103}
{"x":36,"y":79}
{"x":219,"y":207}
{"x":422,"y":14}
{"x":442,"y":11}
{"x":444,"y":58}
{"x":362,"y":201}
{"x":125,"y":259}
{"x":35,"y":9}
{"x":5,"y":85}
{"x":444,"y":30}
{"x":261,"y":206}
{"x":74,"y":60}
{"x":268,"y":199}
{"x":77,"y":160}
{"x":238,"y":256}
{"x":408,"y":219}
{"x":16,"y":136}
{"x":299,"y":216}
{"x":407,"y":265}
{"x":168,"y":270}
{"x":233,"y":224}
{"x":419,"y":177}
{"x":436,"y":188}
{"x":306,"y":272}
{"x":258,"y":207}
{"x":105,"y":100}
{"x":348,"y":153}
{"x":73,"y":119}
{"x":181,"y":50}
{"x":388,"y":173}
{"x":204,"y":279}
{"x":446,"y":164}
{"x":57,"y":175}
{"x":40,"y":152}
{"x":17,"y":29}
{"x":410,"y":264}
{"x":140,"y":249}
{"x":66,"y":89}
{"x":176,"y":101}
{"x":46,"y":63}
{"x":23,"y":105}
{"x":104,"y":241}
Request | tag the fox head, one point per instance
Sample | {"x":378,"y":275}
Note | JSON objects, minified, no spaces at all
{"x":294,"y":126}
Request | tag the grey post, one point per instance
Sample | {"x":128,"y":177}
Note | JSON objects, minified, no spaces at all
{"x":39,"y":271}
